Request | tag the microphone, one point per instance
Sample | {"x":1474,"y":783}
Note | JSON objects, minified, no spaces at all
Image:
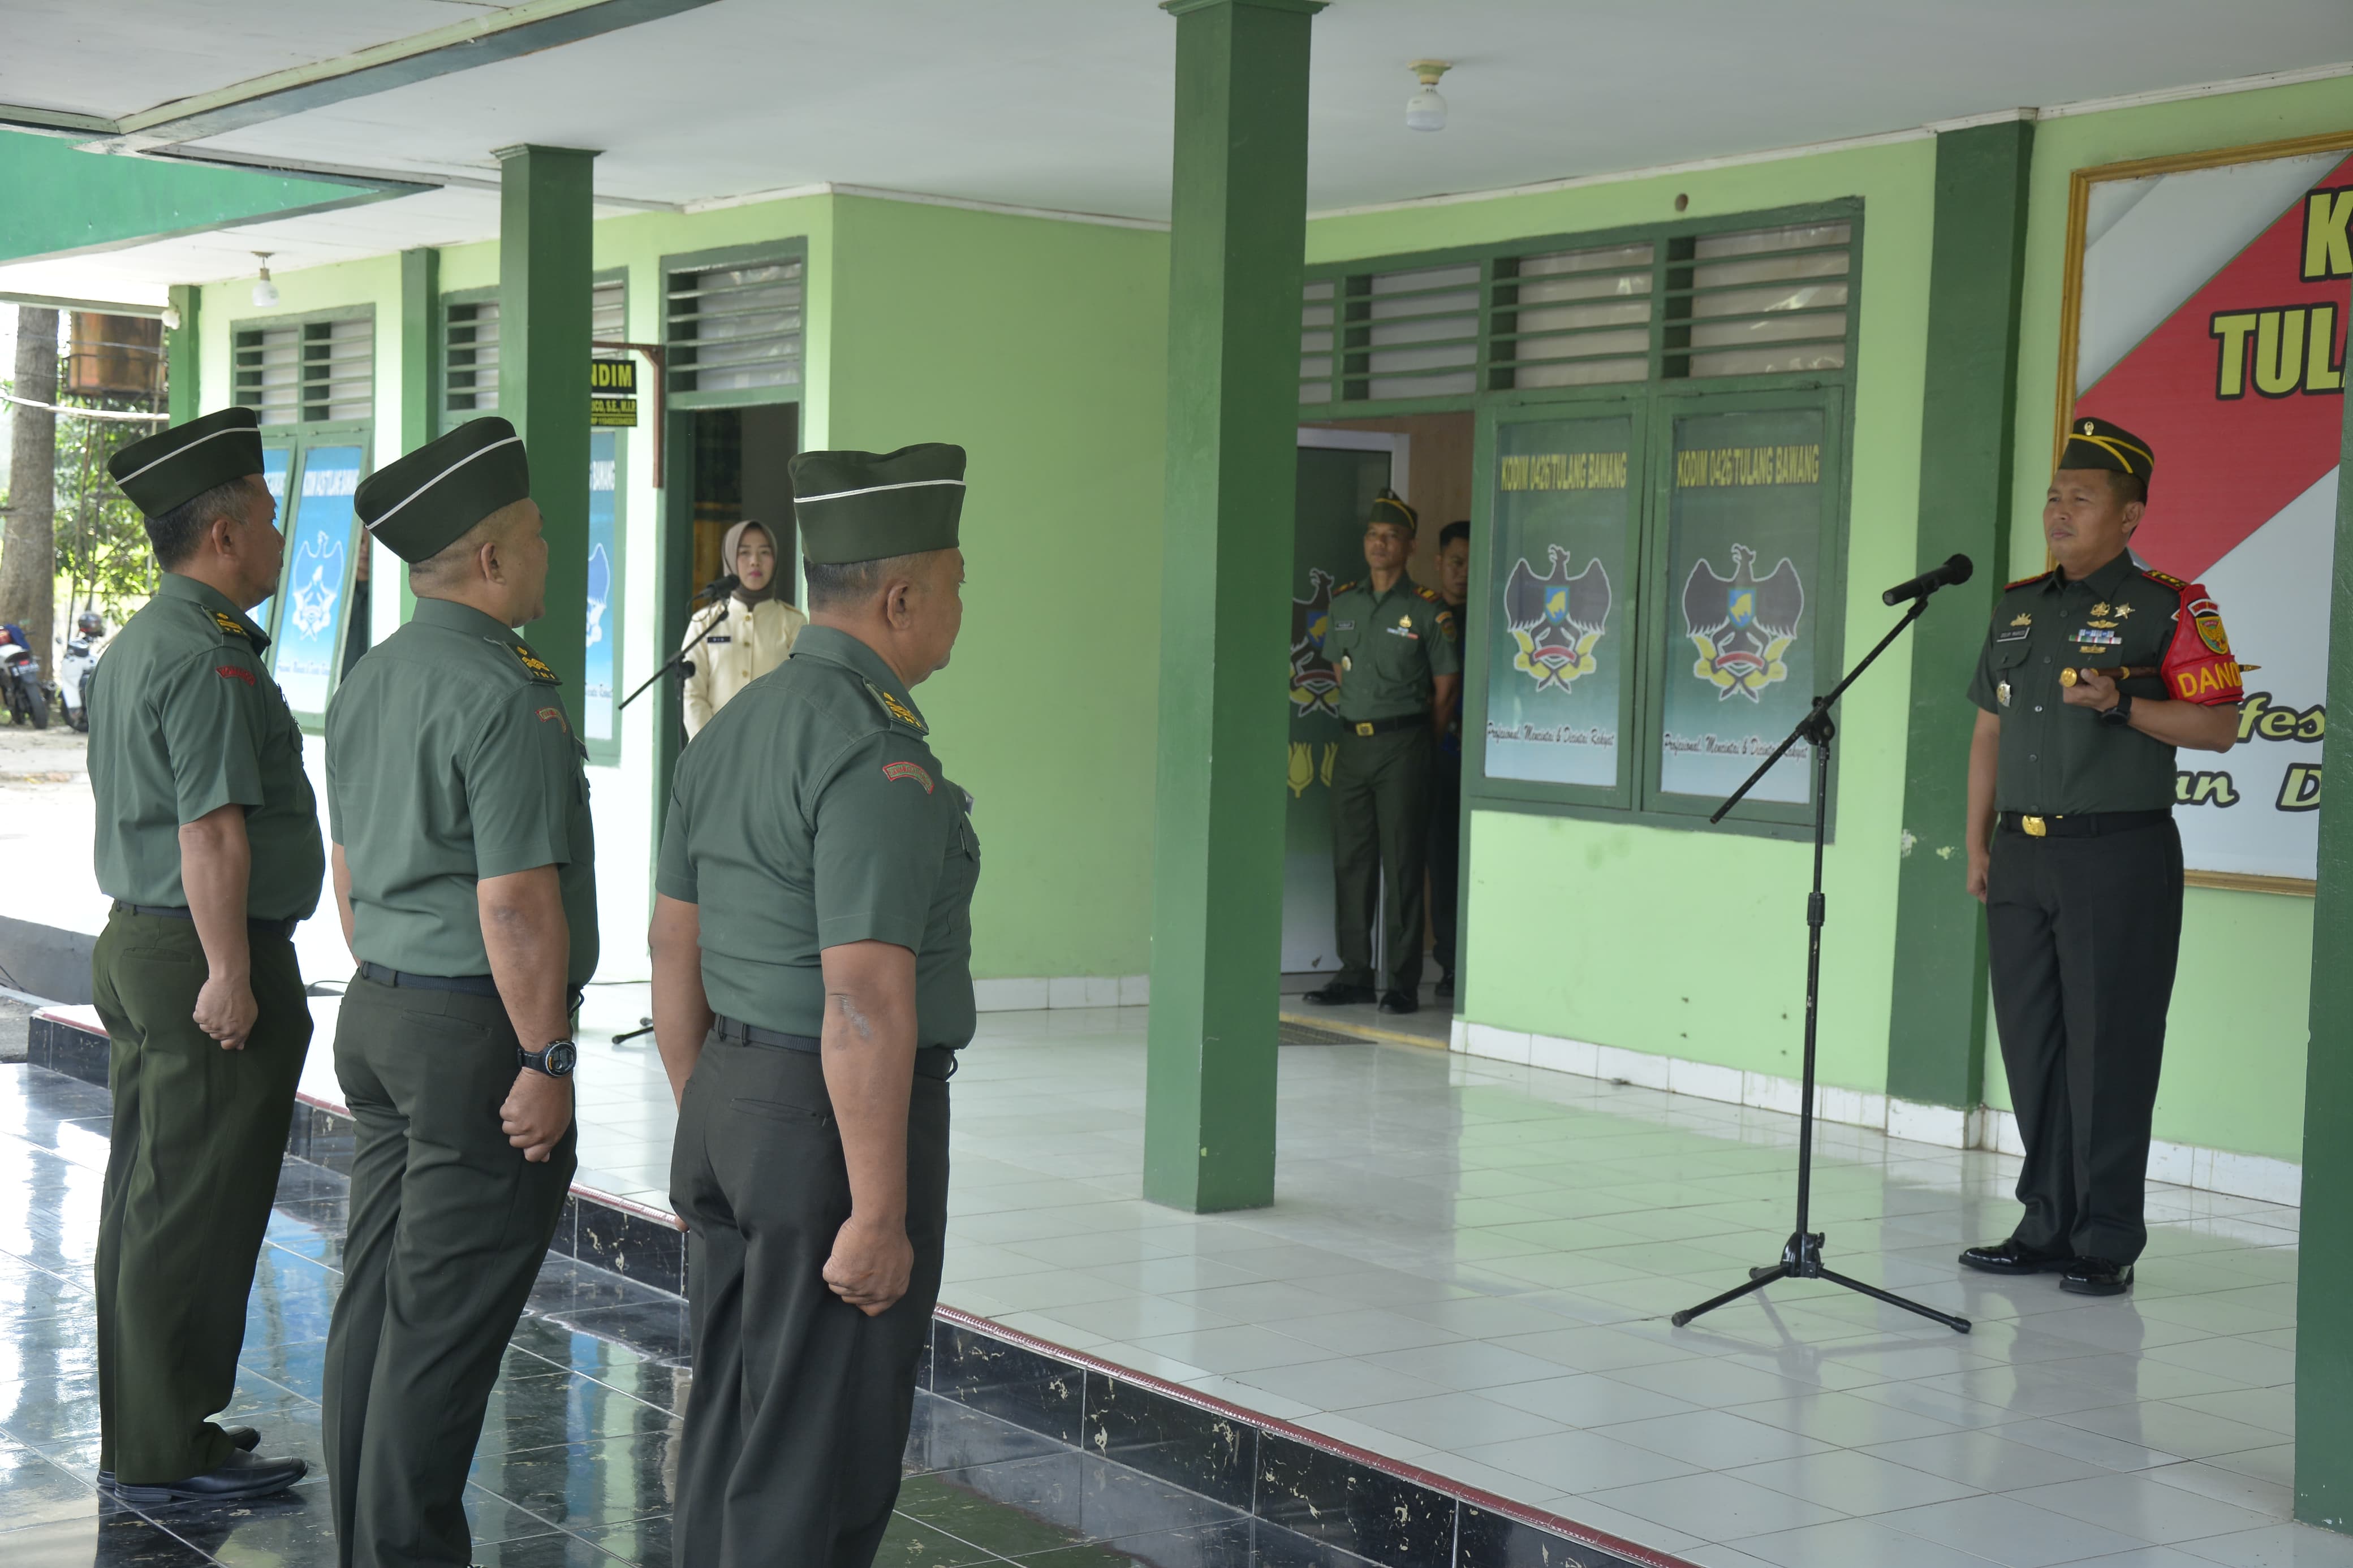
{"x":721,"y":587}
{"x":1956,"y":570}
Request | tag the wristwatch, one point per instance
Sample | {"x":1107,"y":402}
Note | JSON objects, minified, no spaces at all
{"x":2120,"y":715}
{"x":555,"y":1059}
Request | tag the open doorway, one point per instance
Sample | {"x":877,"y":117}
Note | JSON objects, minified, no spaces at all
{"x":1343,"y":465}
{"x":740,"y":473}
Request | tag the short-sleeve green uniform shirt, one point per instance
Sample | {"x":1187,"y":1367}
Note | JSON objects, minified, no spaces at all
{"x":1395,"y":643}
{"x":2060,"y":760}
{"x":184,"y":719}
{"x":449,"y":759}
{"x":808,"y":813}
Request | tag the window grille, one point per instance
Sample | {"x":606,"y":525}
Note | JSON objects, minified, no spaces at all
{"x":1572,"y":318}
{"x":1315,"y":341}
{"x":731,"y":328}
{"x":470,"y":359}
{"x":308,"y":372}
{"x":608,"y":316}
{"x":1418,"y":333}
{"x":1759,"y":302}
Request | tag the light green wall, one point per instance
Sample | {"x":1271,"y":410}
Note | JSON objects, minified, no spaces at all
{"x":1689,"y":943}
{"x":1039,"y":346}
{"x":2235,"y":1043}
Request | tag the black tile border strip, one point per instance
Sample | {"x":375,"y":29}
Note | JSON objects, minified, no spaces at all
{"x":1380,"y":1509}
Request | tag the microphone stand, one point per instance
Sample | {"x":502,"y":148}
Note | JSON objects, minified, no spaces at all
{"x":676,"y":661}
{"x":1801,"y":1255}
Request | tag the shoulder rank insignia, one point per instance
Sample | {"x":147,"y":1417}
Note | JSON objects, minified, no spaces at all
{"x":230,"y":624}
{"x":899,"y":712}
{"x":532,"y":665}
{"x":2154,"y":576}
{"x":1342,"y":588}
{"x":895,"y":771}
{"x":1430,"y":594}
{"x":2027,"y":581}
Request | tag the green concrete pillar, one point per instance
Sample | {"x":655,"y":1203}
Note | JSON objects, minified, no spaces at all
{"x":182,"y":367}
{"x":420,"y":363}
{"x":1238,"y":225}
{"x":544,"y":266}
{"x":2323,"y":1289}
{"x":1935,"y":1045}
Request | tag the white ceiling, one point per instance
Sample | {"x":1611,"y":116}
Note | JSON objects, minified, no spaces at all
{"x":1067,"y":104}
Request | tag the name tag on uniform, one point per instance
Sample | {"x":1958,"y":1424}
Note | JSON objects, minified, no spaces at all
{"x":718,"y":640}
{"x":1344,"y":626}
{"x":2018,"y":635}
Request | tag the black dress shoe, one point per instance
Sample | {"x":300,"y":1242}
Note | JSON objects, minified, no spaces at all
{"x":2009,"y":1258}
{"x":2096,"y":1277}
{"x":1444,"y":989}
{"x":1400,"y":1002}
{"x":1339,"y":993}
{"x":242,"y":1438}
{"x":242,"y":1477}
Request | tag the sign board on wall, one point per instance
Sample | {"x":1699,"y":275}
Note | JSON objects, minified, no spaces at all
{"x":613,"y":395}
{"x":2206,"y":313}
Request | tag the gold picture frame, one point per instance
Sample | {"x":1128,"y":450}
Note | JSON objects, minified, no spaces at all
{"x":2071,"y":304}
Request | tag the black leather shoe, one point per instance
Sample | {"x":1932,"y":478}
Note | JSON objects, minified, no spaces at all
{"x":2096,"y":1277}
{"x":1444,"y":989}
{"x":242,"y":1477}
{"x":1339,"y":993}
{"x":242,"y":1438}
{"x":2009,"y":1258}
{"x":1400,"y":1002}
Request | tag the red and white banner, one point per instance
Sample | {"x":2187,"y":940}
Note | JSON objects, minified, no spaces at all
{"x":2212,"y":325}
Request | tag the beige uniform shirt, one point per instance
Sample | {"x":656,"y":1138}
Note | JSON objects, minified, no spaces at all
{"x":748,"y":641}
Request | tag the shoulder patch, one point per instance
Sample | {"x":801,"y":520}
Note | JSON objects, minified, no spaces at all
{"x":230,"y":624}
{"x":2027,"y":581}
{"x":232,"y":672}
{"x":898,"y":712}
{"x":555,"y":716}
{"x":2154,"y":576}
{"x":896,"y":771}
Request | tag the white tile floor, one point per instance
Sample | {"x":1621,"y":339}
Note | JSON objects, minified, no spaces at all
{"x":1469,"y":1265}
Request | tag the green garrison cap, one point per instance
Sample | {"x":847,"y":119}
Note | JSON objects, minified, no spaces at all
{"x":174,"y":467}
{"x":420,"y":505}
{"x":2097,"y":444}
{"x":1389,"y":508}
{"x":862,"y":506}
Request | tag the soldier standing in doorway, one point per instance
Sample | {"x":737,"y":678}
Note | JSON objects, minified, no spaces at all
{"x":2092,"y":673}
{"x":1394,"y":648}
{"x":1446,"y":772}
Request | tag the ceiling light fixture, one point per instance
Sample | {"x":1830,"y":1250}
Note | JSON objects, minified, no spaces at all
{"x":265,"y":292}
{"x":1426,"y":110}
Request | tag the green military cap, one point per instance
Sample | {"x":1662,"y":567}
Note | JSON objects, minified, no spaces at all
{"x":174,"y":467}
{"x":1389,"y":507}
{"x":421,"y":504}
{"x":2098,"y":444}
{"x":864,"y":506}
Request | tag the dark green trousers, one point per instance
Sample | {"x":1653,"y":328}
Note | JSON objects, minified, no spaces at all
{"x":799,"y":1413}
{"x":191,"y":1168}
{"x":1380,"y":841}
{"x":448,"y":1224}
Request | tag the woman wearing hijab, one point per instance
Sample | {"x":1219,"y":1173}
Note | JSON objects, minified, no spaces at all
{"x":749,"y":635}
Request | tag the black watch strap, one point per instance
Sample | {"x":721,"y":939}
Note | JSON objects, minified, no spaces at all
{"x":556,"y":1058}
{"x":2121,"y":714}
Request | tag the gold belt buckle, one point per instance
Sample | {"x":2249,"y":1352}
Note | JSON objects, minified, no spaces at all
{"x":2035,"y":826}
{"x":1363,"y":727}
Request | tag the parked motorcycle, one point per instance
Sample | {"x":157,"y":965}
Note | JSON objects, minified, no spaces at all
{"x":79,"y":665}
{"x":20,"y":686}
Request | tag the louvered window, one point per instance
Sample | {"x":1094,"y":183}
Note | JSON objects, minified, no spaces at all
{"x":737,"y":327}
{"x":306,"y":371}
{"x":1759,"y":302}
{"x":1316,"y":361}
{"x":1418,"y":333}
{"x":470,"y":359}
{"x":1572,"y":318}
{"x":608,"y":315}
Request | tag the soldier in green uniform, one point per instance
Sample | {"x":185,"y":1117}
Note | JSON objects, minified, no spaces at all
{"x":208,"y":842}
{"x":1394,"y":646}
{"x":812,"y":947}
{"x":465,"y":873}
{"x":2093,"y":674}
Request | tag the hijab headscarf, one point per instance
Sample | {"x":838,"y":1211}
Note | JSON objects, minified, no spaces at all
{"x":732,"y":542}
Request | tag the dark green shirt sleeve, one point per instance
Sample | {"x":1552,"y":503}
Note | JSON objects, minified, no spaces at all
{"x":881,"y":838}
{"x":1445,"y":642}
{"x":674,"y":870}
{"x":522,"y":779}
{"x":210,"y":711}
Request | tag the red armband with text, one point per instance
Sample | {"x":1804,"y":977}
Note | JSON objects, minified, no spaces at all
{"x":2199,"y":666}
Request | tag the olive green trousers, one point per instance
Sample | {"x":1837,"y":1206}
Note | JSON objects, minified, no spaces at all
{"x":191,"y":1168}
{"x":1380,"y":845}
{"x":449,"y":1224}
{"x":801,"y":1402}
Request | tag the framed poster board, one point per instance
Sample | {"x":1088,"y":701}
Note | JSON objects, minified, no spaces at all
{"x":601,"y":649}
{"x":315,"y":586}
{"x":2204,"y":310}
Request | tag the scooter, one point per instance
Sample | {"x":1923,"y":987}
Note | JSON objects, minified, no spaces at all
{"x":74,"y":672}
{"x":20,"y":686}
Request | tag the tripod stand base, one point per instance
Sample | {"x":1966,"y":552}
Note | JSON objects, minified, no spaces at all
{"x":1801,"y":1258}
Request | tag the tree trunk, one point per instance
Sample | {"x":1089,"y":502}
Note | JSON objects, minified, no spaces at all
{"x":28,"y":547}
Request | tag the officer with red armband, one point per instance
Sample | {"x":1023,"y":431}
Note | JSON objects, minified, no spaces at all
{"x":2094,"y":673}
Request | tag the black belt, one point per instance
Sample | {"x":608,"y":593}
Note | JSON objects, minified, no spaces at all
{"x":464,"y":984}
{"x":267,"y":928}
{"x":2083,"y":825}
{"x":931,"y":1061}
{"x":1383,"y":726}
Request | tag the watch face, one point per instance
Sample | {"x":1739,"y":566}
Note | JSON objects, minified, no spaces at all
{"x":561,"y":1058}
